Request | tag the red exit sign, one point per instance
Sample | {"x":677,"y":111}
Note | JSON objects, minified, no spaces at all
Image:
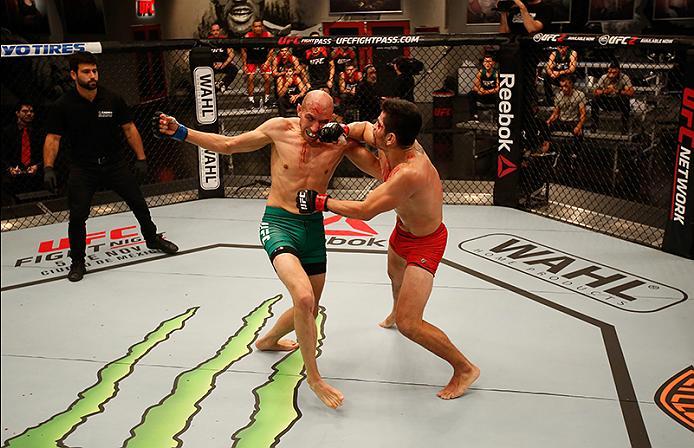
{"x":144,"y":8}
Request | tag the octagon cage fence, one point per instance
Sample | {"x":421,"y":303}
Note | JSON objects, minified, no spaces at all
{"x":590,"y":122}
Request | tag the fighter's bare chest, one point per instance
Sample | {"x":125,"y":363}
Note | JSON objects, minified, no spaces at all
{"x":302,"y":159}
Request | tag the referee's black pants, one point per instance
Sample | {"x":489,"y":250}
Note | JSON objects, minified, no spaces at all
{"x":84,"y":182}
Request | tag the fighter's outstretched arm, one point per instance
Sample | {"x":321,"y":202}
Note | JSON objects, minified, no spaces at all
{"x":400,"y":186}
{"x":362,"y":131}
{"x":167,"y":126}
{"x":364,"y":159}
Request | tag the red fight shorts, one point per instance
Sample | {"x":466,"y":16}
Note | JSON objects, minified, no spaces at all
{"x":265,"y":69}
{"x":423,"y":251}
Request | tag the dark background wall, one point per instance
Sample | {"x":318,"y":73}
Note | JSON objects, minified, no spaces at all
{"x":182,"y":19}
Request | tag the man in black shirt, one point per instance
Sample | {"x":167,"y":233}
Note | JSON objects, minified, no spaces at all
{"x":526,"y":18}
{"x":223,"y":59}
{"x":368,"y":96}
{"x":91,"y":121}
{"x":485,"y":86}
{"x":321,"y":69}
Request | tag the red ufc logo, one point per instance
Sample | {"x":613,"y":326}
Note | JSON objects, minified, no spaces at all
{"x":64,"y":243}
{"x":286,"y":40}
{"x":145,"y":8}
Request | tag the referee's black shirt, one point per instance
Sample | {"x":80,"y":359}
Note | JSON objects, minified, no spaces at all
{"x":92,"y":129}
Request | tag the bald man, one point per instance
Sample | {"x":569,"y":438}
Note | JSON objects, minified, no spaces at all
{"x":295,"y":243}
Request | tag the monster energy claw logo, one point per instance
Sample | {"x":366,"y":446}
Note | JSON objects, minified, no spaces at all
{"x":162,"y":424}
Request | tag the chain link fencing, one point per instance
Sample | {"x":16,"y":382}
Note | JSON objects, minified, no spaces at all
{"x":614,"y":176}
{"x":600,"y":129}
{"x":149,"y":79}
{"x":431,"y":76}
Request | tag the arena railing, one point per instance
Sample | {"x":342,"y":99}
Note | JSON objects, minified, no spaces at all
{"x":617,"y":176}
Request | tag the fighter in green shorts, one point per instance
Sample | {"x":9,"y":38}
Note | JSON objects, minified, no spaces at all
{"x":299,"y":160}
{"x":302,"y":235}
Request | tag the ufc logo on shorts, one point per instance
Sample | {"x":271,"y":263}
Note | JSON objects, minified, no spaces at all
{"x":264,"y":232}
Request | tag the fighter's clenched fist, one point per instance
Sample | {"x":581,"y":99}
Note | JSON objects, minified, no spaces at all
{"x":310,"y":201}
{"x":164,"y":126}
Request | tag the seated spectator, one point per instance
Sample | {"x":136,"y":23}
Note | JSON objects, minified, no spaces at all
{"x":347,"y":88}
{"x":562,"y":62}
{"x":368,"y":96}
{"x":341,"y":56}
{"x":485,"y":86}
{"x":613,"y":92}
{"x":321,"y":68}
{"x":284,"y":59}
{"x":22,"y":154}
{"x":280,"y":63}
{"x":222,"y":59}
{"x":569,"y":114}
{"x":257,"y":59}
{"x":290,"y":90}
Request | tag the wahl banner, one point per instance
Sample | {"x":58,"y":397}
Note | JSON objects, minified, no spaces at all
{"x":209,"y":163}
{"x":509,"y":151}
{"x":679,"y":230}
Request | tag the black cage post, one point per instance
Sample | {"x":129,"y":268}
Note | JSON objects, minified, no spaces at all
{"x":509,"y":149}
{"x":679,"y":230}
{"x":209,"y":163}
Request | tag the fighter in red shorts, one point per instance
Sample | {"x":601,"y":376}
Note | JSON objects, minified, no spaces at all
{"x":413,"y":189}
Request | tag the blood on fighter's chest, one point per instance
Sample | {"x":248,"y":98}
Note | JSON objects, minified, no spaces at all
{"x":308,"y":159}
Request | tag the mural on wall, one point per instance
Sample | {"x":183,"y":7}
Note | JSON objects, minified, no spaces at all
{"x":483,"y":12}
{"x":561,"y":10}
{"x":606,"y":10}
{"x":364,"y":6}
{"x":83,"y":16}
{"x":280,"y":17}
{"x":26,"y":17}
{"x":673,"y":9}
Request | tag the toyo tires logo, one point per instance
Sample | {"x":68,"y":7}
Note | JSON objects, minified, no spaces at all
{"x":162,"y":424}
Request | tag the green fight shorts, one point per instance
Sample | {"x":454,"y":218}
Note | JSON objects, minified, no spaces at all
{"x":302,"y":235}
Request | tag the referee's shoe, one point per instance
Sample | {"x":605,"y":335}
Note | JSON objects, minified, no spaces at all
{"x":159,"y":243}
{"x":78,"y":268}
{"x":77,"y":271}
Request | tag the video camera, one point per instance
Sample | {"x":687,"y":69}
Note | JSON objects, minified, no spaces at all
{"x":407,"y":66}
{"x":505,"y":5}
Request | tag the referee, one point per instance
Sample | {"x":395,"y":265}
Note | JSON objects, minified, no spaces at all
{"x":91,"y":119}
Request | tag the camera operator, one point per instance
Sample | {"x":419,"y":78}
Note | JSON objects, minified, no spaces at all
{"x":406,"y":69}
{"x":524,"y":17}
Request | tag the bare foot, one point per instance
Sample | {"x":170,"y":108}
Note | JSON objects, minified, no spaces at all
{"x":388,"y":322}
{"x":328,"y":394}
{"x":459,"y":384}
{"x":283,"y":345}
